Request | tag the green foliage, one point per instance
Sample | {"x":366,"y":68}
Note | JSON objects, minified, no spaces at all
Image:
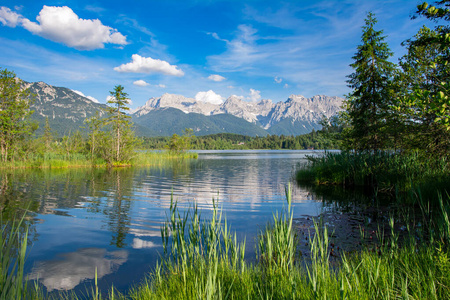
{"x":329,"y":138}
{"x":180,"y":144}
{"x":384,"y":171}
{"x":14,"y":113}
{"x":277,"y":244}
{"x":424,"y":102}
{"x":121,"y":125}
{"x":13,"y":244}
{"x":368,"y":104}
{"x":95,"y":134}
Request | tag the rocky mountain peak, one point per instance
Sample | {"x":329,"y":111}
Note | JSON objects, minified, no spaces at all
{"x":265,"y":112}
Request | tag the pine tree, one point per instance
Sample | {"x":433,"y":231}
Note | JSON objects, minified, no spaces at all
{"x":369,"y":104}
{"x":120,"y":121}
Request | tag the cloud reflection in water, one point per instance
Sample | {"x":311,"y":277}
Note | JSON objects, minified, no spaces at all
{"x":70,"y":269}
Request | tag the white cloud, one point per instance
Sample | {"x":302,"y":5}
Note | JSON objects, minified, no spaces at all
{"x":141,"y":64}
{"x":60,"y":24}
{"x":286,"y":86}
{"x":255,"y":95}
{"x":216,"y":78}
{"x":278,"y":79}
{"x":209,"y":96}
{"x":141,"y":82}
{"x":83,"y":95}
{"x":239,"y":97}
{"x":242,"y":51}
{"x":9,"y":18}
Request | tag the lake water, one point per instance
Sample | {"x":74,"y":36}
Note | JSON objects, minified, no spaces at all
{"x":110,"y":219}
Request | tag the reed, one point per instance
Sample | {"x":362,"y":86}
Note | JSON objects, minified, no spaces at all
{"x":160,"y":158}
{"x":277,"y":243}
{"x":385,"y":171}
{"x":13,"y":250}
{"x":78,"y":160}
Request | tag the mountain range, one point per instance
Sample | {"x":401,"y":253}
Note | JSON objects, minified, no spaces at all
{"x":162,"y":116}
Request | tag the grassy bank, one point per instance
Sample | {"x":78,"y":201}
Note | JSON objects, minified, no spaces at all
{"x":384,"y":171}
{"x":203,"y":260}
{"x":77,"y":160}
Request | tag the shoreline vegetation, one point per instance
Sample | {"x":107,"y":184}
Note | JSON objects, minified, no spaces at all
{"x":78,"y":160}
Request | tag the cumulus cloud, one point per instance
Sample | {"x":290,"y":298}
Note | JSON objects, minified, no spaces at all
{"x":255,"y":95}
{"x":141,"y":64}
{"x":278,"y":79}
{"x":209,"y":97}
{"x":83,"y":95}
{"x":141,"y":82}
{"x":216,"y":78}
{"x":60,"y":24}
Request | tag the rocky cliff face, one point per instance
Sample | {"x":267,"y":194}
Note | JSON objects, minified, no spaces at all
{"x":264,"y":113}
{"x":187,"y":105}
{"x":65,"y":109}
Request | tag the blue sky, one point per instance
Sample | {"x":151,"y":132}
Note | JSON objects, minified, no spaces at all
{"x":204,"y":49}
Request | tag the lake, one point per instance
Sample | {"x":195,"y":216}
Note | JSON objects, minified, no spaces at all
{"x":83,"y":219}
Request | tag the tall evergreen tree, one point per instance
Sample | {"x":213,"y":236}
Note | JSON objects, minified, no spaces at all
{"x":14,"y":112}
{"x":120,"y":121}
{"x":369,"y":104}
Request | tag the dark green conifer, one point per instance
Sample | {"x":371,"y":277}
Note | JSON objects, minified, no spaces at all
{"x":369,"y":103}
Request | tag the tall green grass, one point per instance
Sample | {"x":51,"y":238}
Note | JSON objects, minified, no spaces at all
{"x":385,"y":171}
{"x":13,"y":242}
{"x":160,"y":158}
{"x":56,"y":160}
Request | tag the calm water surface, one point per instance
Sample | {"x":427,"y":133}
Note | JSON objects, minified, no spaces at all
{"x":111,"y":219}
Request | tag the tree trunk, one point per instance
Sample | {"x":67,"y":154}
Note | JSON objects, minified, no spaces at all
{"x":118,"y":143}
